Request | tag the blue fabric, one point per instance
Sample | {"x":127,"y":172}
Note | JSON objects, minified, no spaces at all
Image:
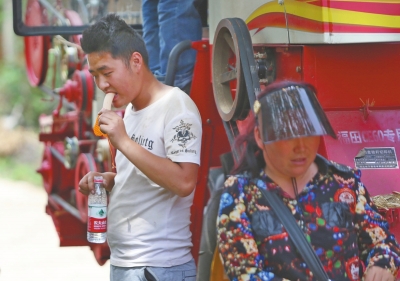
{"x":184,"y":272}
{"x":165,"y":24}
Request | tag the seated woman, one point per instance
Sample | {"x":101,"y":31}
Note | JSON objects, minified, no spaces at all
{"x":328,"y":200}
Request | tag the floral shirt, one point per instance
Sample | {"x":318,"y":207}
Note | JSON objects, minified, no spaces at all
{"x":335,"y":212}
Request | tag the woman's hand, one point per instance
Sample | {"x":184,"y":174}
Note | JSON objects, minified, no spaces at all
{"x":376,"y":273}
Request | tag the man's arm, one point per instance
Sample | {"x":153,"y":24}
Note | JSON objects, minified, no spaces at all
{"x":178,"y":177}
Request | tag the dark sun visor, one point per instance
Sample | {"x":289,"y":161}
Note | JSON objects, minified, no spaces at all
{"x":291,"y":112}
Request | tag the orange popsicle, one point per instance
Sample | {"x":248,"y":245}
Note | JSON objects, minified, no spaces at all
{"x":107,"y":105}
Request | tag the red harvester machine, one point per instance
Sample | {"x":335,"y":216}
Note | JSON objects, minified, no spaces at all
{"x":349,"y":50}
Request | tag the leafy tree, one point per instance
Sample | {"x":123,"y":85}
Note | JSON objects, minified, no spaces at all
{"x":15,"y":90}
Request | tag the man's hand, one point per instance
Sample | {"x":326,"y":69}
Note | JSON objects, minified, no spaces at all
{"x":86,"y":184}
{"x":113,"y":125}
{"x":376,"y":273}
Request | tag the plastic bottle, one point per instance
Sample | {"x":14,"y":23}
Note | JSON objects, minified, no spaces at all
{"x":97,"y":213}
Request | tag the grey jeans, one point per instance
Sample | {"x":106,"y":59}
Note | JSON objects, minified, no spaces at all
{"x":184,"y":272}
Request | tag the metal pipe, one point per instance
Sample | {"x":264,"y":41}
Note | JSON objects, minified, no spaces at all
{"x":173,"y":61}
{"x":54,"y":94}
{"x":85,"y":13}
{"x":86,"y":142}
{"x":54,"y":11}
{"x":67,"y":206}
{"x":57,"y":155}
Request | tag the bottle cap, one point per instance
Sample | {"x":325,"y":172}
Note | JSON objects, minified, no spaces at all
{"x":98,"y":179}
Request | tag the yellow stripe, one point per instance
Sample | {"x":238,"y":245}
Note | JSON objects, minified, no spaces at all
{"x":324,"y":14}
{"x":272,"y":7}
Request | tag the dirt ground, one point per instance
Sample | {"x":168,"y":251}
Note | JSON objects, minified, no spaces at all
{"x":29,"y":243}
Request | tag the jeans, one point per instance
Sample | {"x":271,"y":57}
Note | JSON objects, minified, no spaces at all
{"x":184,"y":272}
{"x":165,"y":24}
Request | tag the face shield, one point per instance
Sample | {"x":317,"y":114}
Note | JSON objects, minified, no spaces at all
{"x":291,"y":112}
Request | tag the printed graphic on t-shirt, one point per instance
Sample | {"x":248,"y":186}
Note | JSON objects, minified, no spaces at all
{"x":143,"y":141}
{"x":183,"y":135}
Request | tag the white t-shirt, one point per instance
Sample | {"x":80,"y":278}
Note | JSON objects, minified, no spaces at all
{"x":148,"y":225}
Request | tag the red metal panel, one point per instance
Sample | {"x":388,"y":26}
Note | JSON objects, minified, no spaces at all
{"x":202,"y":95}
{"x":344,"y":74}
{"x":201,"y":194}
{"x":70,"y":230}
{"x":289,"y":63}
{"x":392,"y":216}
{"x":214,"y":140}
{"x":381,"y":129}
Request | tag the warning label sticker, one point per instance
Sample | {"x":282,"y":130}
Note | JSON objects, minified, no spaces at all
{"x":376,"y":158}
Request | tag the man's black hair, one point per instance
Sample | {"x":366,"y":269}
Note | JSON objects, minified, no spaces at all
{"x":112,"y":34}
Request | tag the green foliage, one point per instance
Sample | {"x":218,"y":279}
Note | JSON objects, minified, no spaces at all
{"x":16,"y":90}
{"x":19,"y":171}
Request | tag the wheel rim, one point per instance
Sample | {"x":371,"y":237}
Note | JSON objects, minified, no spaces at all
{"x":75,"y":59}
{"x":84,"y":164}
{"x":85,"y":85}
{"x":228,"y":80}
{"x":36,"y":47}
{"x":46,"y":170}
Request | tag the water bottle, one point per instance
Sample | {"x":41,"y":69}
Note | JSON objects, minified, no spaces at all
{"x":97,"y":213}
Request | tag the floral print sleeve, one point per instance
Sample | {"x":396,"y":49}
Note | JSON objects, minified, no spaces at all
{"x":378,"y":247}
{"x":235,"y":239}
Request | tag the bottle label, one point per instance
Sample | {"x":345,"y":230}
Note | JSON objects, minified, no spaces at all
{"x":97,"y":218}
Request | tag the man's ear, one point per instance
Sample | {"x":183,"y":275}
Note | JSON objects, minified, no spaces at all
{"x":136,"y":61}
{"x":257,"y":137}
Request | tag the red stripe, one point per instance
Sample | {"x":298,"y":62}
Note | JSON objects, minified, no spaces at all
{"x":348,"y":28}
{"x":267,"y":20}
{"x":303,"y":24}
{"x":392,"y":9}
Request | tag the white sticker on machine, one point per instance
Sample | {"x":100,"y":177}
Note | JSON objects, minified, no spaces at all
{"x":376,"y":158}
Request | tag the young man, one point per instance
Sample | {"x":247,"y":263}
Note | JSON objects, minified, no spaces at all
{"x":158,"y":154}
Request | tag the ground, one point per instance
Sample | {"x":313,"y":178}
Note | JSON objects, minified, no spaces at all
{"x":29,"y":243}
